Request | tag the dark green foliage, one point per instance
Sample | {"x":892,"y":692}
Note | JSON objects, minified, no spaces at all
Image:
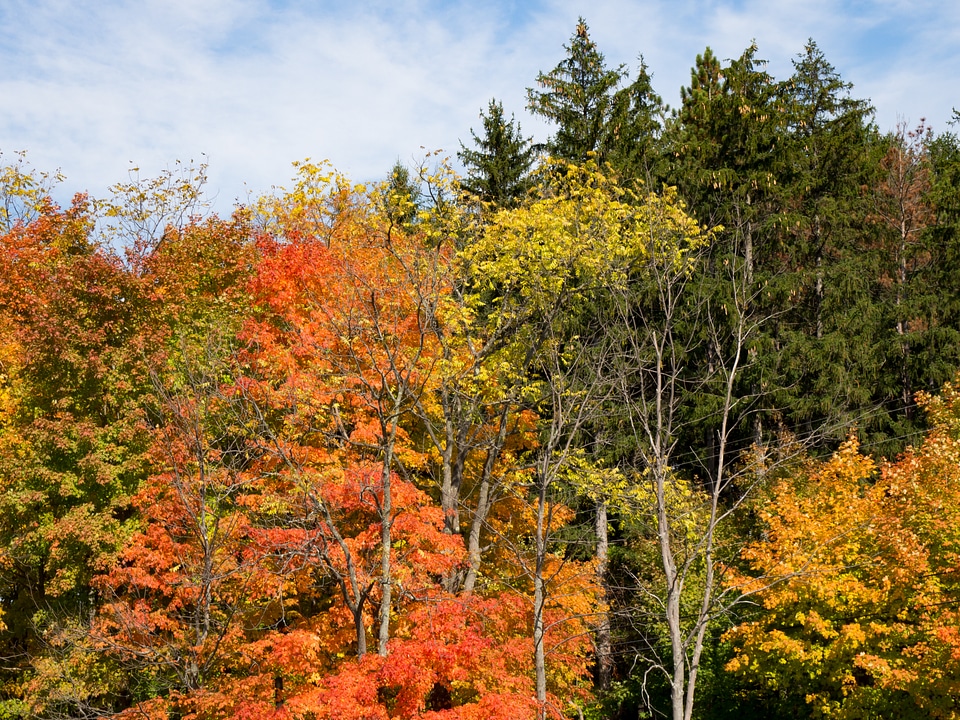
{"x":938,"y":356}
{"x":578,"y":97}
{"x":634,"y":135}
{"x":725,"y":142}
{"x":498,"y":170}
{"x":725,"y":145}
{"x":597,"y":117}
{"x":831,"y":323}
{"x":402,"y":195}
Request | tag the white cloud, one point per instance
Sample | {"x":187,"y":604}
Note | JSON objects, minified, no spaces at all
{"x":256,"y":84}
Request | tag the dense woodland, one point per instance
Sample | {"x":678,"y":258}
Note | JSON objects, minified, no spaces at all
{"x":659,"y":417}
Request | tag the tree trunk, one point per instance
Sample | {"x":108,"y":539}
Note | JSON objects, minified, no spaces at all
{"x":386,"y":541}
{"x":484,"y":502}
{"x":604,"y":654}
{"x":539,"y":602}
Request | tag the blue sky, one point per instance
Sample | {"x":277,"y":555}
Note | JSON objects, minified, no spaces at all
{"x":91,"y":86}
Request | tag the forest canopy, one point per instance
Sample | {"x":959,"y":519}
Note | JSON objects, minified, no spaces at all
{"x":657,"y":416}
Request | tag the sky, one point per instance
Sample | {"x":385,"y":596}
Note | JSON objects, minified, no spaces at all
{"x":94,"y":88}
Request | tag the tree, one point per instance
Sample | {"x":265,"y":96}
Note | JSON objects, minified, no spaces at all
{"x":725,"y":138}
{"x":121,"y":323}
{"x":191,"y":585}
{"x":936,"y":354}
{"x":72,"y":446}
{"x":578,"y":96}
{"x":636,"y":124}
{"x":661,"y":321}
{"x":831,"y":322}
{"x":140,"y":212}
{"x":356,"y":338}
{"x":856,"y":577}
{"x":401,"y":197}
{"x":604,"y":276}
{"x":498,"y":170}
{"x":24,"y":192}
{"x":546,"y":262}
{"x":361,"y":312}
{"x":903,"y":210}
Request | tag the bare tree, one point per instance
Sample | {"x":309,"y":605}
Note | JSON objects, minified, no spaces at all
{"x":671,"y":340}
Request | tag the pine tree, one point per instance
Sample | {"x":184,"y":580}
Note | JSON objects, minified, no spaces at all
{"x":498,"y":170}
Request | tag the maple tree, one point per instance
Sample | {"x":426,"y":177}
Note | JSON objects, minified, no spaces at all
{"x":71,"y":444}
{"x":360,"y":315}
{"x":371,"y":309}
{"x":857,"y":583}
{"x":190,"y":582}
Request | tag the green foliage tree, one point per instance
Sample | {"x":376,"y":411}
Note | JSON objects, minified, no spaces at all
{"x":937,"y":354}
{"x":402,"y":195}
{"x":578,"y":97}
{"x":498,"y":170}
{"x":830,"y":326}
{"x":636,"y":124}
{"x":725,"y":141}
{"x":72,"y":440}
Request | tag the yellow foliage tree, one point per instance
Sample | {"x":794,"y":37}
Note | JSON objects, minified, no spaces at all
{"x":856,"y":577}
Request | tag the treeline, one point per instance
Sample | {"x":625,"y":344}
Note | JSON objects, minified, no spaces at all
{"x":850,"y":233}
{"x":596,"y":430}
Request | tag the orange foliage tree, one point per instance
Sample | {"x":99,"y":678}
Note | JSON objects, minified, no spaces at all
{"x":346,"y":361}
{"x":235,"y":461}
{"x":857,"y":580}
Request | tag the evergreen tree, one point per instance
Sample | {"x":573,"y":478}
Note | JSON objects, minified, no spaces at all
{"x":725,"y":143}
{"x":725,"y":140}
{"x":831,"y":323}
{"x":498,"y":170}
{"x":578,"y":96}
{"x":635,"y":131}
{"x":402,"y":195}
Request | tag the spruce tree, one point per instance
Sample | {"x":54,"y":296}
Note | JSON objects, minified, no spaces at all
{"x":724,"y":142}
{"x":831,"y":360}
{"x":635,"y":131}
{"x":402,"y":195}
{"x":578,"y":97}
{"x":498,"y":170}
{"x":724,"y":139}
